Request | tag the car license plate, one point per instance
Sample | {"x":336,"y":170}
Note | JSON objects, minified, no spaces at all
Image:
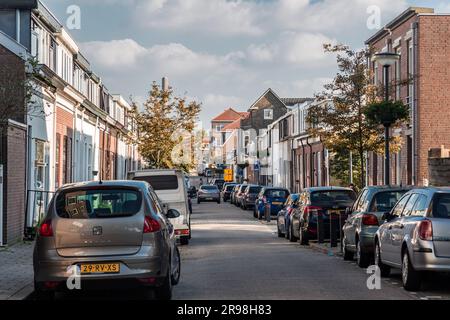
{"x":209,"y":198}
{"x":100,"y":268}
{"x":277,"y":203}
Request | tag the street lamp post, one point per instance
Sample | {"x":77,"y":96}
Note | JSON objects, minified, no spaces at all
{"x":386,"y":59}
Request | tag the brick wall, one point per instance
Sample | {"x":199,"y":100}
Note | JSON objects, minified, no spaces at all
{"x":64,"y":130}
{"x":14,"y":183}
{"x":434,"y":85}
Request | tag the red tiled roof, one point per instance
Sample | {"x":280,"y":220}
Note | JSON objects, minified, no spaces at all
{"x":228,"y":115}
{"x":232,"y":126}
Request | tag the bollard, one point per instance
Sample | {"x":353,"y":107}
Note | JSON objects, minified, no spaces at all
{"x":267,"y":212}
{"x":333,"y":227}
{"x":320,"y":228}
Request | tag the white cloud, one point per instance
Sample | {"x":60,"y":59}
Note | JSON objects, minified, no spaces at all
{"x":261,"y":52}
{"x":214,"y":17}
{"x":115,"y":53}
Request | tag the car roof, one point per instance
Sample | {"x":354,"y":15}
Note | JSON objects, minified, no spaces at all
{"x":315,"y":189}
{"x":431,"y":189}
{"x":107,"y":183}
{"x":275,"y":188}
{"x":391,"y":187}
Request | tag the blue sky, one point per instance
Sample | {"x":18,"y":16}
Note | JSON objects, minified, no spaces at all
{"x":222,"y":53}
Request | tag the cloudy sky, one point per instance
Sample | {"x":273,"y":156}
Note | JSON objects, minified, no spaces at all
{"x":223,"y":53}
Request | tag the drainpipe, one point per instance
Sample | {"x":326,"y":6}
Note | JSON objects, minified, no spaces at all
{"x":74,"y":137}
{"x":95,"y":158}
{"x":311,"y":163}
{"x":303,"y":165}
{"x":415,"y":103}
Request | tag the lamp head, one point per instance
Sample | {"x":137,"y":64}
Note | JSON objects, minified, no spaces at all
{"x":386,"y":59}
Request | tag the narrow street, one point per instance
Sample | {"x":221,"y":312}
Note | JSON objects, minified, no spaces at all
{"x":233,"y":256}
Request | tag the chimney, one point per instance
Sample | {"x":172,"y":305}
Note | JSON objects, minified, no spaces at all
{"x":165,"y":84}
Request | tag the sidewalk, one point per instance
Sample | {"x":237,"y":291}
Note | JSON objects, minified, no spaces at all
{"x":325,"y":248}
{"x":16,"y":270}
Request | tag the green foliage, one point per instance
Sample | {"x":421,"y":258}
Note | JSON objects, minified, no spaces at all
{"x":386,"y":113}
{"x":165,"y":124}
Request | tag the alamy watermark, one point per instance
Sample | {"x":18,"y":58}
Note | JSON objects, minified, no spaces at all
{"x":374,"y":19}
{"x":374,"y":280}
{"x":73,"y":21}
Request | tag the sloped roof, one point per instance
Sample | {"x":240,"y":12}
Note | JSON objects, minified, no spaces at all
{"x":263,"y":95}
{"x":232,"y":126}
{"x":228,"y":115}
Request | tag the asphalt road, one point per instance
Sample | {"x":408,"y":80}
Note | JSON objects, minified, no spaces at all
{"x":234,"y":256}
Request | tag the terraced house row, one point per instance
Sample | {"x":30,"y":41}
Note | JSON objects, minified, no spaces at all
{"x":73,"y":129}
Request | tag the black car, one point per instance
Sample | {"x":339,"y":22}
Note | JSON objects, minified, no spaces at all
{"x":219,"y":183}
{"x":249,"y":196}
{"x":319,"y":201}
{"x":226,"y":191}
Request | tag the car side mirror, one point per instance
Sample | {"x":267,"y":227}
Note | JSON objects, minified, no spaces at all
{"x":387,"y":216}
{"x":173,"y":213}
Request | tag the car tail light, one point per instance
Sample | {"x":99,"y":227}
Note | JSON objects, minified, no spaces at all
{"x":151,"y":225}
{"x":51,"y":284}
{"x":369,"y":220}
{"x":184,"y":232}
{"x":46,"y":230}
{"x":425,"y":230}
{"x":150,"y":280}
{"x":310,"y":209}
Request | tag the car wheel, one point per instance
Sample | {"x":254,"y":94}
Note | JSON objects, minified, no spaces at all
{"x":348,"y":255}
{"x":184,"y":241}
{"x":362,"y":258}
{"x":164,"y":292}
{"x":304,"y":241}
{"x":292,"y":238}
{"x":280,"y":234}
{"x":410,"y":277}
{"x":385,"y":270}
{"x":176,"y":274}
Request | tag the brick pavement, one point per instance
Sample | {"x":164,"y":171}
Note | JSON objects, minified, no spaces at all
{"x":16,"y":270}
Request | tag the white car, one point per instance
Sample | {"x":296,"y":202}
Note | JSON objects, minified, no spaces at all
{"x":170,"y":186}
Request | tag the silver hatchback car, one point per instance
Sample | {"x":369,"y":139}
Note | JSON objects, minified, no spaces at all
{"x":416,"y":236}
{"x":107,"y":234}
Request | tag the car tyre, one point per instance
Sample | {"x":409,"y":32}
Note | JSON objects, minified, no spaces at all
{"x":411,"y":278}
{"x":362,"y":258}
{"x":348,"y":255}
{"x":385,"y":270}
{"x":164,"y":292}
{"x":292,"y":238}
{"x":175,"y":278}
{"x":280,"y":234}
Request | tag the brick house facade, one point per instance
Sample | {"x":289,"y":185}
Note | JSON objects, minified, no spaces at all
{"x":421,"y":38}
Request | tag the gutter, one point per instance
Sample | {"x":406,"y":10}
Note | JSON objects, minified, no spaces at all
{"x":416,"y":102}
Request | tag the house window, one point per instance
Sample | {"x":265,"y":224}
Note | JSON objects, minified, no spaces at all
{"x":398,"y":74}
{"x":268,"y":114}
{"x":67,"y":160}
{"x":52,"y":55}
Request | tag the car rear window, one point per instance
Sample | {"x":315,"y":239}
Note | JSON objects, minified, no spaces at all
{"x":332,"y":197}
{"x":254,"y":190}
{"x":385,"y":201}
{"x":209,"y":188}
{"x":229,"y":188}
{"x":98,"y":203}
{"x":242,"y":188}
{"x":165,"y":182}
{"x":277,"y":193}
{"x":441,"y":206}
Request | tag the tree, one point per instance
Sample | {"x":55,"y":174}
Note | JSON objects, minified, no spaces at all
{"x":17,"y":89}
{"x":162,"y":125}
{"x":338,"y":117}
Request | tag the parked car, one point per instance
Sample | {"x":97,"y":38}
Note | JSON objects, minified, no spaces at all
{"x":233,"y":193}
{"x":219,"y":183}
{"x":364,"y":218}
{"x":208,"y":193}
{"x":416,"y":236}
{"x":171,"y":188}
{"x":226,"y":191}
{"x":116,"y":233}
{"x":269,"y":196}
{"x":239,"y":194}
{"x":284,"y":216}
{"x":249,"y":196}
{"x":319,"y":200}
